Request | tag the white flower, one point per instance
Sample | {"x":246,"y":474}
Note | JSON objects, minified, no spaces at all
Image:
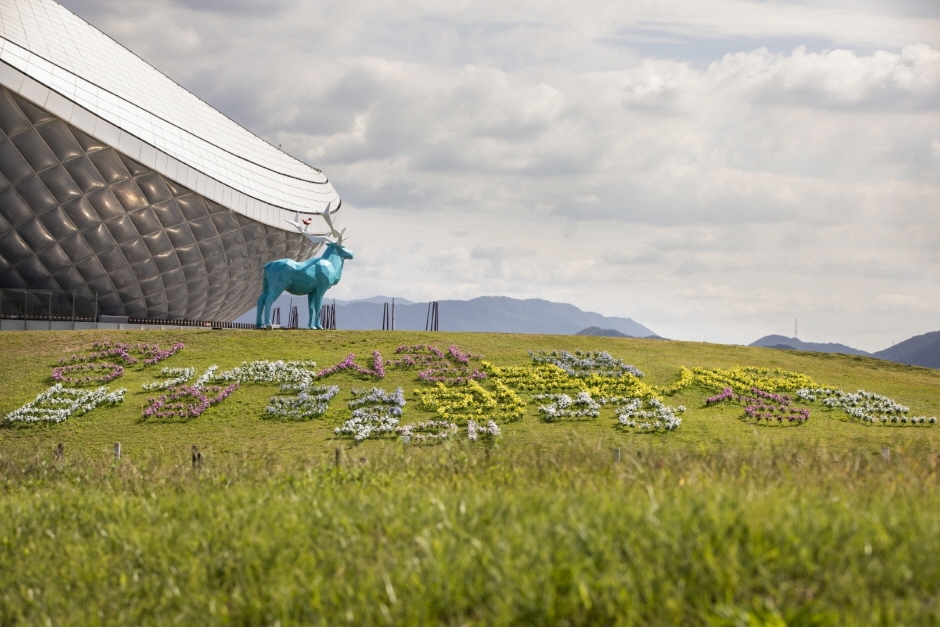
{"x":862,"y":405}
{"x":178,"y":376}
{"x":311,"y":401}
{"x":375,"y":411}
{"x":563,"y":406}
{"x":59,"y":403}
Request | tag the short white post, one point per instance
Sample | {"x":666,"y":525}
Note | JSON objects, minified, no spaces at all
{"x":117,"y":450}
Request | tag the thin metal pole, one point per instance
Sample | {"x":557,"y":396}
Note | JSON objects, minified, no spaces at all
{"x":50,"y":310}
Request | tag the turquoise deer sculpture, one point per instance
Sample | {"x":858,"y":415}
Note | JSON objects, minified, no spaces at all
{"x":312,"y":277}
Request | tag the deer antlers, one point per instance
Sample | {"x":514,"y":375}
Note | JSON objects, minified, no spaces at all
{"x":317,"y":239}
{"x":329,"y":222}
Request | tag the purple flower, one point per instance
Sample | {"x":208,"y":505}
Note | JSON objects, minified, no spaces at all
{"x":378,"y":368}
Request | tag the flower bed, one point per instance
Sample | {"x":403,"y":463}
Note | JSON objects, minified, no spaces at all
{"x":174,"y":377}
{"x":864,"y":406}
{"x":648,"y":416}
{"x":69,"y":374}
{"x":265,"y":371}
{"x":451,"y":368}
{"x":88,"y":370}
{"x":457,"y":403}
{"x":509,"y":406}
{"x":187,"y":401}
{"x":551,"y":379}
{"x":543,"y":379}
{"x":475,"y":431}
{"x":377,"y":370}
{"x":562,"y":406}
{"x":584,"y":363}
{"x":60,"y":403}
{"x":686,"y":380}
{"x":743,"y":380}
{"x":429,"y":431}
{"x":608,"y":387}
{"x":375,"y":412}
{"x":311,"y":401}
{"x":151,"y":353}
{"x":763,"y":405}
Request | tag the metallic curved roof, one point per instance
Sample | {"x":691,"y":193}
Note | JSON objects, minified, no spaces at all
{"x":56,"y":59}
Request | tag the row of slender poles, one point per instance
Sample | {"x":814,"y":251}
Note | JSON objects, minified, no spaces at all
{"x":431,"y":323}
{"x":328,"y":316}
{"x":388,"y":316}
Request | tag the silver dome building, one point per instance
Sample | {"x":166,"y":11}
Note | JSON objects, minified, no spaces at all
{"x":115,"y":179}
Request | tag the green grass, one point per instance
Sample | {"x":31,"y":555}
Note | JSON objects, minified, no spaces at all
{"x":720,"y":523}
{"x":452,"y":535}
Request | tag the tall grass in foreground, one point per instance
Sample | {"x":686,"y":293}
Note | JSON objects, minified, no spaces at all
{"x":459,"y":535}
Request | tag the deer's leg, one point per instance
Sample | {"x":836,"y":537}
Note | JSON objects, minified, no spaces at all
{"x":312,"y":323}
{"x":259,"y":306}
{"x":316,"y":301}
{"x":270,"y":291}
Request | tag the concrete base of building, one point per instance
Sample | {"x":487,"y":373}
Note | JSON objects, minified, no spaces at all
{"x":67,"y":325}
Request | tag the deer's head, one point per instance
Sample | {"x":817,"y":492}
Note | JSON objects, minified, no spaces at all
{"x":336,"y":245}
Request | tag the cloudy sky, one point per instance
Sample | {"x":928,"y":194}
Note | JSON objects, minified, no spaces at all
{"x":712,"y":169}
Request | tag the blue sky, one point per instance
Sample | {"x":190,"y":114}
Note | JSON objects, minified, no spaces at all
{"x":712,"y":169}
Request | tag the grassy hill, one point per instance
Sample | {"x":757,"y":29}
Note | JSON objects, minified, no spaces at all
{"x":722,"y":522}
{"x":240,"y":425}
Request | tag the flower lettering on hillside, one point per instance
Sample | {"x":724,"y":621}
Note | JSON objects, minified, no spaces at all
{"x":765,"y":406}
{"x":647,"y":416}
{"x":183,"y":401}
{"x":451,"y":368}
{"x":561,"y":406}
{"x":60,"y":403}
{"x":101,"y":364}
{"x":429,"y":431}
{"x":585,"y":363}
{"x":349,"y":364}
{"x":375,"y":412}
{"x":865,"y":406}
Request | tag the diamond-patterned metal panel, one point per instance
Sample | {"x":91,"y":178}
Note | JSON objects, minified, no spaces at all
{"x":74,"y":212}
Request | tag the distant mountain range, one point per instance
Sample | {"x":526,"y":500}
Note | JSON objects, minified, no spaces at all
{"x":920,"y":350}
{"x":781,"y":341}
{"x":597,"y":331}
{"x":602,"y":332}
{"x":493,"y":314}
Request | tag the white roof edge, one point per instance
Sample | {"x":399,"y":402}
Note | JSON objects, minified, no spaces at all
{"x":150,"y":156}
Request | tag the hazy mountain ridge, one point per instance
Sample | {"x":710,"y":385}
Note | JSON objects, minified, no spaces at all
{"x":772,"y":341}
{"x":597,"y":331}
{"x":494,"y":314}
{"x":920,"y":350}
